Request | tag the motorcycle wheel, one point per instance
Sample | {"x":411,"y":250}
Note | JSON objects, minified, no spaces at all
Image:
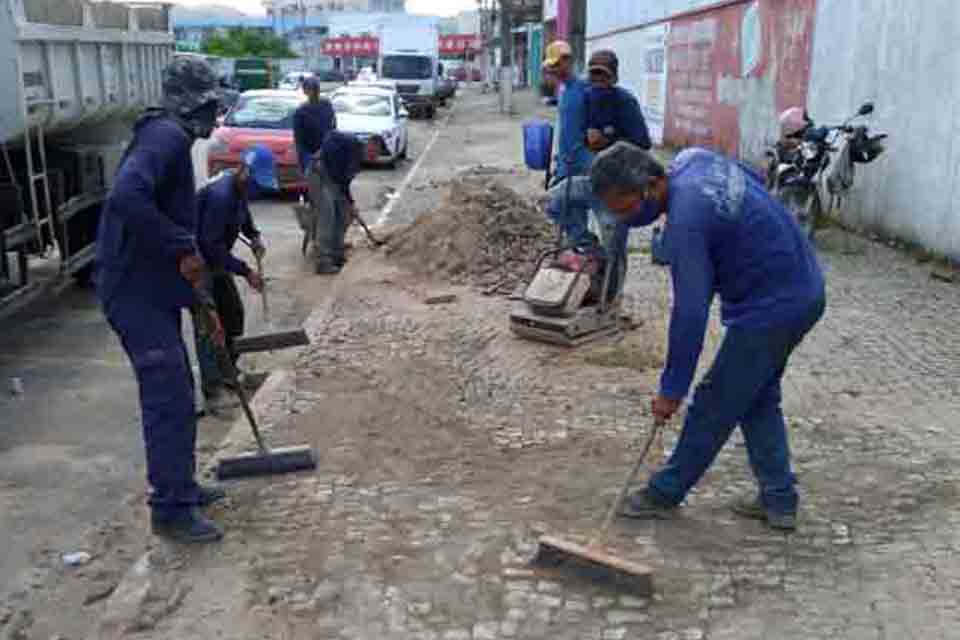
{"x":805,"y":207}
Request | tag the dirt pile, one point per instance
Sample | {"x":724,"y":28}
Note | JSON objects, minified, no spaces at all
{"x":483,"y":234}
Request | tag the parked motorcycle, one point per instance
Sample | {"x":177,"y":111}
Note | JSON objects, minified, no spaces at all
{"x":812,"y":170}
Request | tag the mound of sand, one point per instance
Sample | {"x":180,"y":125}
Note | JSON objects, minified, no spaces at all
{"x":483,"y":234}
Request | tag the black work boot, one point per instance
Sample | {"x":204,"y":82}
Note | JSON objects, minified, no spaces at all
{"x":327,"y":268}
{"x":642,"y":505}
{"x":752,"y":507}
{"x":184,"y":525}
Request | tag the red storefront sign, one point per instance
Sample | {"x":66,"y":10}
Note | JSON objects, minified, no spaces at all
{"x":460,"y":44}
{"x":359,"y":46}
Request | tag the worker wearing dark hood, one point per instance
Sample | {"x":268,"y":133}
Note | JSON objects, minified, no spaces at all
{"x":149,"y":265}
{"x":311,"y":123}
{"x":329,"y":178}
{"x":223,"y":214}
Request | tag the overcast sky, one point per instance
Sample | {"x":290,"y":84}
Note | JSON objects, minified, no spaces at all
{"x":429,"y":7}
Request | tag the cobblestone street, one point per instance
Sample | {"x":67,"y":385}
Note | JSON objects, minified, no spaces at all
{"x":447,"y":446}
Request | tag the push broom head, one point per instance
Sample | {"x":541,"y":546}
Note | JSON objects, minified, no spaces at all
{"x":594,"y":564}
{"x":273,"y":462}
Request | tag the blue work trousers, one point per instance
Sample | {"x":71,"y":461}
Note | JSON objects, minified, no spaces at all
{"x":153,"y":341}
{"x":742,"y":388}
{"x":223,"y":289}
{"x":574,"y":220}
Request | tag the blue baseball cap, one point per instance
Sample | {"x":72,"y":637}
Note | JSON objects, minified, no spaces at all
{"x":310,"y":83}
{"x":259,"y":161}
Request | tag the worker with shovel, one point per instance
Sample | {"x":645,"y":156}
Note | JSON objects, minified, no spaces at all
{"x":332,"y":206}
{"x":149,"y":267}
{"x":726,"y":235}
{"x":223,"y":214}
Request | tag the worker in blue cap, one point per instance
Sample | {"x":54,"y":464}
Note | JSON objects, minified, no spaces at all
{"x":223,"y":214}
{"x":149,"y":267}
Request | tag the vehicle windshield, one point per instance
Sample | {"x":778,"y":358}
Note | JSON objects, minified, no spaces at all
{"x":407,"y":67}
{"x":362,"y":104}
{"x":263,"y":112}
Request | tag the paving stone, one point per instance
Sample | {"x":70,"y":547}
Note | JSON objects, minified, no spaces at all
{"x":618,"y":618}
{"x":618,"y":633}
{"x":634,"y":603}
{"x":486,"y":630}
{"x":552,"y":602}
{"x":517,"y":615}
{"x":545,"y":586}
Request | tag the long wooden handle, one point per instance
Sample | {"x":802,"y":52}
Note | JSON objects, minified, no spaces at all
{"x":601,"y":532}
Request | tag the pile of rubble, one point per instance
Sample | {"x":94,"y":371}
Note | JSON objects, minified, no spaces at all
{"x":484,"y":234}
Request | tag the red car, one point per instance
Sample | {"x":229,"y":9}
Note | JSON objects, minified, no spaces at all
{"x":259,"y":117}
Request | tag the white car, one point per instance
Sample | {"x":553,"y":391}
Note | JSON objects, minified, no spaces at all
{"x":367,"y":74}
{"x":377,"y":117}
{"x":294,"y":80}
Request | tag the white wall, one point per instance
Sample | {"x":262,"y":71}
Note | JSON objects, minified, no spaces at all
{"x":642,"y":70}
{"x":905,"y":57}
{"x":608,"y":15}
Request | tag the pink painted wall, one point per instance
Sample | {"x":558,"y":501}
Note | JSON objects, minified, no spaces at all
{"x":563,"y":19}
{"x":733,"y":69}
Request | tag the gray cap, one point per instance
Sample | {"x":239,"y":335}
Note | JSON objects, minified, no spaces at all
{"x":623,"y":167}
{"x":188,"y":84}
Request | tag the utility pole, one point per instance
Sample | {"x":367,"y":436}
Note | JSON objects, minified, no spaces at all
{"x":506,"y":56}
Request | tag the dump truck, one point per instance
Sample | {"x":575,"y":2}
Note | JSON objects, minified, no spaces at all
{"x":77,"y":75}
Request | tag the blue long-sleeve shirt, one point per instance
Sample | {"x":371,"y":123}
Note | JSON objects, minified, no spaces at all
{"x":573,"y":156}
{"x":569,"y":209}
{"x":149,"y":218}
{"x":341,"y":155}
{"x":222,"y":214}
{"x":311,"y":124}
{"x":617,"y":110}
{"x":727,"y":235}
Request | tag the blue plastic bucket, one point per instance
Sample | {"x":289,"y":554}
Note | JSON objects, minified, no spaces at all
{"x":537,"y":144}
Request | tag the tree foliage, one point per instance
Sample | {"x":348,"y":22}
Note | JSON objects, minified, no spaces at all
{"x":247,"y":43}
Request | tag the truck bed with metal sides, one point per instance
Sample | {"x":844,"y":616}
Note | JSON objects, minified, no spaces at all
{"x":77,"y":73}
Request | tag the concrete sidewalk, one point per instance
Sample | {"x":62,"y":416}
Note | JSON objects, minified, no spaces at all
{"x":447,"y":446}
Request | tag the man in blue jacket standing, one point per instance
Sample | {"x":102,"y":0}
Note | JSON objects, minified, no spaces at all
{"x":581,"y":104}
{"x":223,"y":214}
{"x":149,"y":265}
{"x":573,"y":157}
{"x":312,"y":122}
{"x":726,"y":235}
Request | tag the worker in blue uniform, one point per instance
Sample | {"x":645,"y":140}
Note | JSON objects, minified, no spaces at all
{"x":223,"y":214}
{"x":333,"y":170}
{"x":148,"y":268}
{"x":312,"y":121}
{"x":726,"y":237}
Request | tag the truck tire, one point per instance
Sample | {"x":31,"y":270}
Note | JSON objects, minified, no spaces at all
{"x":431,"y":112}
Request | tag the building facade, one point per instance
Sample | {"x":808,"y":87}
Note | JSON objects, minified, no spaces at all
{"x":717,"y":73}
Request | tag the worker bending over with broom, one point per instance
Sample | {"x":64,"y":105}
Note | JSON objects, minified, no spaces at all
{"x":725,"y":234}
{"x":149,"y":267}
{"x":223,"y":213}
{"x":332,"y":171}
